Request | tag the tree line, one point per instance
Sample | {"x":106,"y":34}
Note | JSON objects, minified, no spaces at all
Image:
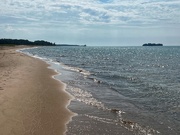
{"x":25,"y":42}
{"x":152,"y":44}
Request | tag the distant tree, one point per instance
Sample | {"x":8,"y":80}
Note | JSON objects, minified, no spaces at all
{"x":25,"y":42}
{"x":152,"y":44}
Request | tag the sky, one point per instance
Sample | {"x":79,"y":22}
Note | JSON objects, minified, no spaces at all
{"x":92,"y":22}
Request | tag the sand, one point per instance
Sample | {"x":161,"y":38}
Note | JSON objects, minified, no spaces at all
{"x":31,"y":101}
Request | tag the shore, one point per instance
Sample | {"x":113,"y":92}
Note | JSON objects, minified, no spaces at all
{"x":31,"y":102}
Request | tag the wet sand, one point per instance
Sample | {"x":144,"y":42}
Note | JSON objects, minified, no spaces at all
{"x":31,"y":102}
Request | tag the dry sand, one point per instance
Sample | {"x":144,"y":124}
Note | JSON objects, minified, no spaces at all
{"x":31,"y":102}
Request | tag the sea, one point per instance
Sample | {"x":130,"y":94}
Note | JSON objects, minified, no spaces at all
{"x":118,"y":90}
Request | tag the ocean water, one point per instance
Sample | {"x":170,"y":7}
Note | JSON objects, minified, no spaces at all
{"x":119,"y":90}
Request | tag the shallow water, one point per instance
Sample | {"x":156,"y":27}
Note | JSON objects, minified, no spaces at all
{"x":119,"y":90}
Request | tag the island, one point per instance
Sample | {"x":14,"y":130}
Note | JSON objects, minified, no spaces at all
{"x":152,"y":44}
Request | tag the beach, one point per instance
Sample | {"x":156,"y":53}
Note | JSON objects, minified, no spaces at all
{"x":31,"y":101}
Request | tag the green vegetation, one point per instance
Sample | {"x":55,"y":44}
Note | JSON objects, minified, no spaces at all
{"x":152,"y":44}
{"x":25,"y":42}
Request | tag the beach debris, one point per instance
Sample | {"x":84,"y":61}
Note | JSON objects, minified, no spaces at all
{"x":97,"y":81}
{"x":80,"y":70}
{"x":115,"y":110}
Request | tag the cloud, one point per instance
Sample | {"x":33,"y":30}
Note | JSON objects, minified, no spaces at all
{"x":91,"y":11}
{"x":9,"y":28}
{"x":119,"y":12}
{"x":89,"y":19}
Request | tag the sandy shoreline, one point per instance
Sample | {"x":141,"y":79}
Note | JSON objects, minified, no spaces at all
{"x":31,"y":102}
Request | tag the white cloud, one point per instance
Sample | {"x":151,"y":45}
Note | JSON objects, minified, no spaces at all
{"x":9,"y":28}
{"x":92,"y":11}
{"x":74,"y":17}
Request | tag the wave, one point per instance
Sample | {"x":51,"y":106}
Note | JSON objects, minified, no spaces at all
{"x":86,"y":97}
{"x":33,"y":55}
{"x":129,"y":125}
{"x":95,"y":80}
{"x":76,"y":69}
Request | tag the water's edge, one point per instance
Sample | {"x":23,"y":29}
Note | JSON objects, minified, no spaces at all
{"x":50,"y":63}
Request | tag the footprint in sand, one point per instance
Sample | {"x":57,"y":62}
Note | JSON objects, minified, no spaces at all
{"x":1,"y":88}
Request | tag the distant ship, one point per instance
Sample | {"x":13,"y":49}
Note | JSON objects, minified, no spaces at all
{"x":152,"y":44}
